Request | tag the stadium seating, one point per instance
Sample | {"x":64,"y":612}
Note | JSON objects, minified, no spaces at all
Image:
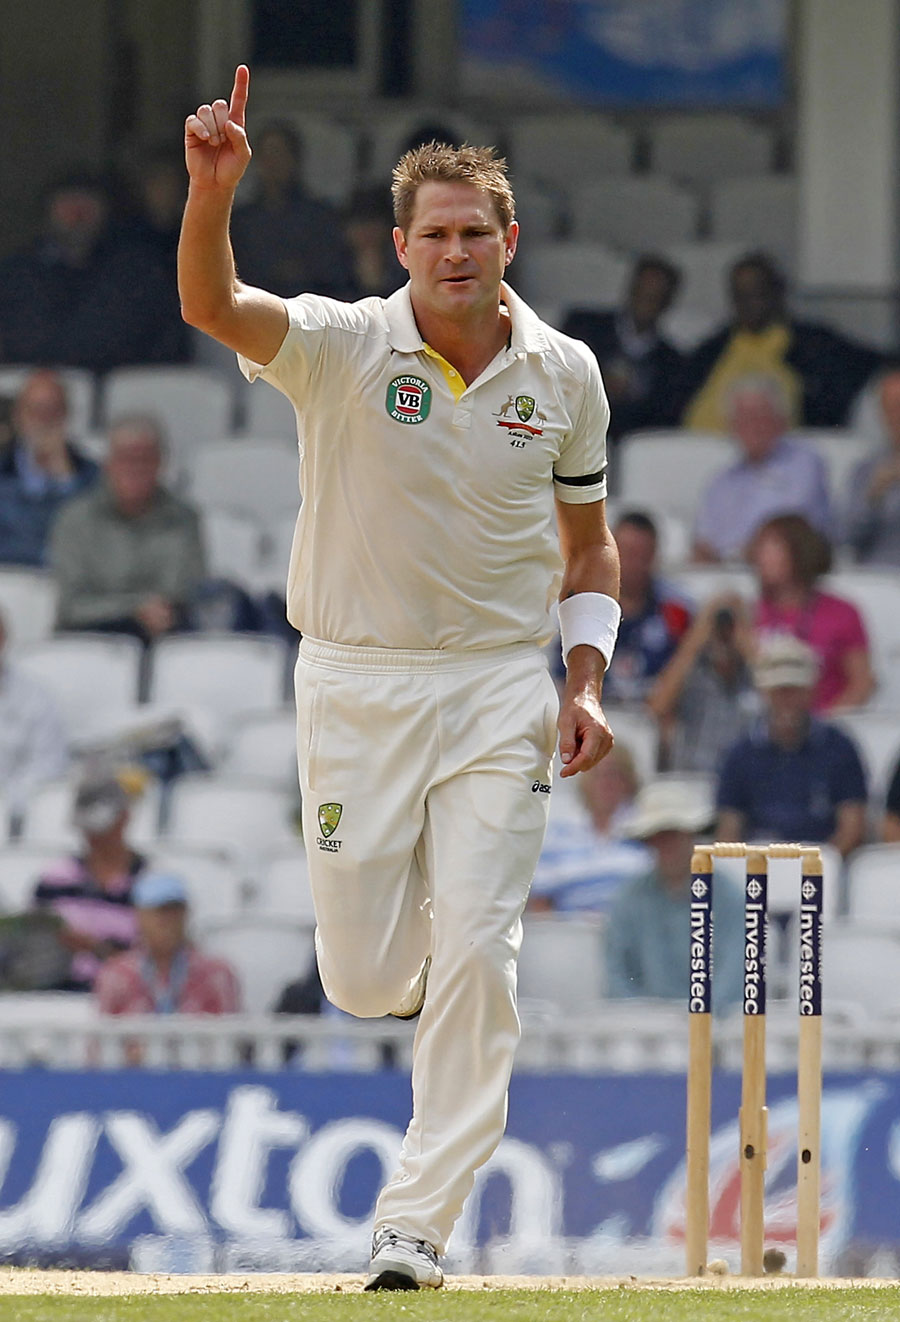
{"x":388,"y":134}
{"x":21,"y":867}
{"x":267,"y":951}
{"x":861,"y":963}
{"x":256,"y":478}
{"x":561,"y":961}
{"x":841,"y":451}
{"x":668,"y":469}
{"x":216,"y":885}
{"x":873,"y":886}
{"x":268,"y":415}
{"x":48,"y":815}
{"x":233,"y":544}
{"x":282,"y":884}
{"x":263,"y":746}
{"x":241,"y":816}
{"x":638,"y":732}
{"x":700,"y":583}
{"x":877,"y":736}
{"x":93,"y":677}
{"x":704,"y":265}
{"x":228,"y":674}
{"x":759,"y":213}
{"x":28,"y":600}
{"x":876,"y":594}
{"x":642,"y":213}
{"x":554,"y":148}
{"x":706,"y":148}
{"x":194,"y":404}
{"x":560,"y":275}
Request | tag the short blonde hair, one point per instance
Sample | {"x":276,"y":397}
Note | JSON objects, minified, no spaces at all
{"x":437,"y":162}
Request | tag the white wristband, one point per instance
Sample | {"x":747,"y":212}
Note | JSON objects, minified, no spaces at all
{"x":592,"y":618}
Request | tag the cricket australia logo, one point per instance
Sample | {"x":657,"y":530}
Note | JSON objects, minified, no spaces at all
{"x":520,"y":428}
{"x":408,"y":399}
{"x":329,"y":816}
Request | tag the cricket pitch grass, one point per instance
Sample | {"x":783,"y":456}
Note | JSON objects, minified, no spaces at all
{"x":35,"y":1296}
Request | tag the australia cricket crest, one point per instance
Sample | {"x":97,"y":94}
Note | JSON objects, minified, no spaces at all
{"x":525,"y":406}
{"x":329,"y":816}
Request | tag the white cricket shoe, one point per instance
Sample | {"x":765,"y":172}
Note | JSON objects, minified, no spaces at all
{"x":400,"y":1262}
{"x":414,"y":999}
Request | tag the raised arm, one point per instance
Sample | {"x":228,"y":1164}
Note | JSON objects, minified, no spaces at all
{"x":591,"y":565}
{"x":216,"y":150}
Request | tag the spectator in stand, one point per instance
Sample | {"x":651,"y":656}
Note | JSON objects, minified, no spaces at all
{"x":821,"y":371}
{"x":85,"y":294}
{"x":128,"y":556}
{"x":159,"y":195}
{"x":648,"y":934}
{"x":164,"y":972}
{"x":890,"y":825}
{"x":285,"y":240}
{"x":872,"y":520}
{"x":91,"y":890}
{"x":776,"y":475}
{"x":40,"y":469}
{"x":704,"y":699}
{"x":641,"y":369}
{"x":33,"y":744}
{"x":789,"y":557}
{"x":585,"y":861}
{"x":793,"y":777}
{"x":368,"y":221}
{"x":654,"y":617}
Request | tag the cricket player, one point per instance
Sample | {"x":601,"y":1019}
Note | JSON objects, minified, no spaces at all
{"x":439,"y":431}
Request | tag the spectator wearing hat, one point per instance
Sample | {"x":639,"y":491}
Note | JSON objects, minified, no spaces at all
{"x":33,"y":743}
{"x":91,"y":890}
{"x":648,"y":935}
{"x":793,"y":777}
{"x":165,"y":973}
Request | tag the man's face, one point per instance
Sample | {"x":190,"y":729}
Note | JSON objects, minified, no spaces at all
{"x":890,"y":406}
{"x":455,"y":249}
{"x":637,"y":558}
{"x":673,"y":851}
{"x":755,"y":300}
{"x":756,"y":423}
{"x":78,"y":214}
{"x":163,"y":929}
{"x":133,"y":467}
{"x":649,"y":297}
{"x":789,"y":707}
{"x":41,"y":405}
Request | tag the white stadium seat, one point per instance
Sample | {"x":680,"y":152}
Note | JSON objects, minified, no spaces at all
{"x":877,"y":736}
{"x":562,"y":962}
{"x":227,"y":674}
{"x":282,"y":884}
{"x":841,"y":451}
{"x":556,"y":148}
{"x":263,"y":745}
{"x":28,"y":599}
{"x":194,"y":404}
{"x":706,"y":148}
{"x":700,"y":583}
{"x":561,"y":275}
{"x":330,"y":160}
{"x":80,"y":393}
{"x":668,"y":469}
{"x":257,"y":478}
{"x":760,"y":212}
{"x":873,"y":886}
{"x":21,"y":867}
{"x":876,"y":595}
{"x":269,"y":415}
{"x":266,"y":951}
{"x":704,"y":265}
{"x":860,"y":966}
{"x":639,"y":733}
{"x":389,"y":133}
{"x":229,"y":813}
{"x":93,"y":677}
{"x":641,"y":213}
{"x":233,"y":545}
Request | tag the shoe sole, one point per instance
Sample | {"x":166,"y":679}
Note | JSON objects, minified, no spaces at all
{"x":391,"y":1280}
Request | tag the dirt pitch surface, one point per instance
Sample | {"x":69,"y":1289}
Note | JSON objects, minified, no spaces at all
{"x":22,"y":1281}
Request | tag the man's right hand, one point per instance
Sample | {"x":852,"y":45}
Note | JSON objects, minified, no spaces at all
{"x":216,"y":149}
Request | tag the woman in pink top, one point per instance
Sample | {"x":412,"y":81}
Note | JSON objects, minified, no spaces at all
{"x":789,"y":557}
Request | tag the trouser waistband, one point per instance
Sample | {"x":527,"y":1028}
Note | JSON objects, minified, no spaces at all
{"x":341,"y":656}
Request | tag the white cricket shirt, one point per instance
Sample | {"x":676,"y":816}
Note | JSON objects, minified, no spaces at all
{"x":427,"y":518}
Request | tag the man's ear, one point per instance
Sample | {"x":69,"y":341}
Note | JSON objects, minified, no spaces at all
{"x":400,"y":246}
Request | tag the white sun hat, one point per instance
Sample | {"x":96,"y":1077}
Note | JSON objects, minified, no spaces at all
{"x":671,"y":804}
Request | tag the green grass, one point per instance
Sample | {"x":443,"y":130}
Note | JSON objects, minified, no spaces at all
{"x":623,"y":1305}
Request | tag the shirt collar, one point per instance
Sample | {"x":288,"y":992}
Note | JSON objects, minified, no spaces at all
{"x":404,"y":335}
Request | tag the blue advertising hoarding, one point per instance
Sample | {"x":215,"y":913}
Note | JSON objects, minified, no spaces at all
{"x":620,"y":53}
{"x":202,"y":1172}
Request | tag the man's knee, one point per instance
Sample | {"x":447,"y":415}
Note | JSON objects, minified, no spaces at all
{"x":364,"y":992}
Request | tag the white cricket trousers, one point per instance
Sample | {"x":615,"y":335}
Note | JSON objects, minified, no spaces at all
{"x":425,"y":782}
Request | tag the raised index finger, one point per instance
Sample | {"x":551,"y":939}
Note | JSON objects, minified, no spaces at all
{"x":239,"y":94}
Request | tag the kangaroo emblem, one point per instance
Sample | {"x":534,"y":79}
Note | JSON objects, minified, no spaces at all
{"x":541,"y":417}
{"x":503,"y":411}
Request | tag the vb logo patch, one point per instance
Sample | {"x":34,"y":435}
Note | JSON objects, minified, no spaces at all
{"x":329,"y":816}
{"x":408,"y":399}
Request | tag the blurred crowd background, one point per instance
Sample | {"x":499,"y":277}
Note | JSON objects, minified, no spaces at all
{"x":725,"y":245}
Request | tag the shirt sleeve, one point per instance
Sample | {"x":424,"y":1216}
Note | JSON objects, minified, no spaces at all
{"x":314,"y":326}
{"x":579,"y":475}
